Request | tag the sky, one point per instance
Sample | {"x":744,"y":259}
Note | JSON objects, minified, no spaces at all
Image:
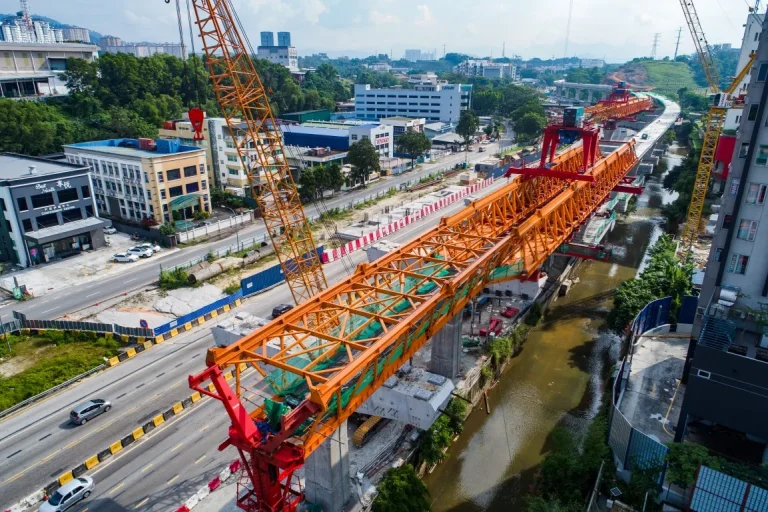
{"x":612,"y":29}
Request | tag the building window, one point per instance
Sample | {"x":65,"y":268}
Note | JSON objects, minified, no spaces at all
{"x":718,"y":253}
{"x":149,"y":195}
{"x":42,"y":200}
{"x":86,"y":190}
{"x":762,"y":73}
{"x":231,"y":158}
{"x":22,"y":202}
{"x":72,"y":215}
{"x":735,"y":182}
{"x":173,"y":174}
{"x":753,"y":108}
{"x":704,"y":374}
{"x":44,"y":221}
{"x":67,"y":195}
{"x":204,"y":184}
{"x":89,"y":211}
{"x":162,"y":194}
{"x":756,"y":193}
{"x":27,"y":225}
{"x":762,"y":155}
{"x":738,"y":264}
{"x":354,"y":136}
{"x":747,"y":230}
{"x":175,"y":191}
{"x":190,"y":171}
{"x":192,"y":187}
{"x":202,"y":168}
{"x":159,"y":176}
{"x":2,"y":204}
{"x":232,"y":172}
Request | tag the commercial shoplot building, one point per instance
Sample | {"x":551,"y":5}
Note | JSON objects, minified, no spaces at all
{"x":339,"y":135}
{"x":145,"y":179}
{"x":47,"y":210}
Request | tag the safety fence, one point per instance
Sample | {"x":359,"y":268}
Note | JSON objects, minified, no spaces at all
{"x":74,"y":325}
{"x":383,"y":231}
{"x":214,"y":228}
{"x":199,"y":316}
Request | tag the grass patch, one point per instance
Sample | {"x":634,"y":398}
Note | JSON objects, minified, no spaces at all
{"x":172,"y":279}
{"x":232,"y":288}
{"x":667,"y":77}
{"x":59,"y":356}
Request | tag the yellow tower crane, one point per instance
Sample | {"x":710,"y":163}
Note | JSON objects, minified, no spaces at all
{"x":714,"y":124}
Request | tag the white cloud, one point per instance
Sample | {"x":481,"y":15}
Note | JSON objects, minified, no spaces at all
{"x":137,"y":19}
{"x":380,"y":18}
{"x":313,"y":9}
{"x":426,"y":15}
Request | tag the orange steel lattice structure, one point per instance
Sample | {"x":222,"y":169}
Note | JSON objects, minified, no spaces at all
{"x":617,"y":108}
{"x":245,"y":105}
{"x":334,"y":350}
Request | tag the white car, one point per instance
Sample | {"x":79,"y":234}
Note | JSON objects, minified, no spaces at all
{"x":68,"y":494}
{"x":109,"y":230}
{"x":141,"y":252}
{"x":149,"y":245}
{"x":124,"y":257}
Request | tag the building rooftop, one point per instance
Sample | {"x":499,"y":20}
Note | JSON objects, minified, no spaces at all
{"x":131,"y":147}
{"x":14,"y":167}
{"x":401,"y":118}
{"x":328,"y":131}
{"x":11,"y":45}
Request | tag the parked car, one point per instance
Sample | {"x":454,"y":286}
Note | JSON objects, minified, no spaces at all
{"x":124,"y":257}
{"x":149,"y":245}
{"x":109,"y":230}
{"x":68,"y":494}
{"x":141,"y":252}
{"x":644,"y":136}
{"x":281,"y":309}
{"x":481,"y":149}
{"x":88,"y":410}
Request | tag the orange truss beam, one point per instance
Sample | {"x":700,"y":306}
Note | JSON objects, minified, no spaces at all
{"x":617,"y":109}
{"x":336,"y":349}
{"x":245,"y":106}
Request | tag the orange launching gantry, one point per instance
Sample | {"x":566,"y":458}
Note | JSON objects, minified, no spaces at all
{"x":330,"y":353}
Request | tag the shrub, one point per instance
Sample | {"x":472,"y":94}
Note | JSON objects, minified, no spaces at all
{"x":401,"y":490}
{"x":486,"y":375}
{"x":232,"y":288}
{"x":172,"y":279}
{"x":169,"y":228}
{"x":202,"y":215}
{"x":534,"y":314}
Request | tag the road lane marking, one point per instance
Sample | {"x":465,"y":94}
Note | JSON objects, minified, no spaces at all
{"x":205,"y":427}
{"x":177,"y":447}
{"x":141,"y":385}
{"x":91,"y":295}
{"x":158,"y":376}
{"x":142,"y":502}
{"x":15,"y":453}
{"x":200,"y":458}
{"x":121,"y":396}
{"x":47,"y":310}
{"x":45,"y":437}
{"x":131,"y":280}
{"x":171,"y":480}
{"x":147,"y":467}
{"x":116,"y":487}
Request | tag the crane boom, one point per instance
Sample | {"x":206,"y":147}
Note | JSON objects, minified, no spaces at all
{"x":245,"y":106}
{"x":702,"y":46}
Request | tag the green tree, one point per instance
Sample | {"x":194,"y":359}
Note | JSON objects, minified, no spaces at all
{"x":308,"y":184}
{"x":539,"y":504}
{"x":35,"y":128}
{"x":364,"y":160}
{"x":529,"y":107}
{"x":413,"y":144}
{"x":401,"y":490}
{"x":335,"y":177}
{"x":684,"y":460}
{"x":561,"y":469}
{"x":530,"y":126}
{"x":467,"y":127}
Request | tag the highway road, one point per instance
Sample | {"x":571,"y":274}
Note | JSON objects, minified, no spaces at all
{"x":38,"y":444}
{"x":56,"y":304}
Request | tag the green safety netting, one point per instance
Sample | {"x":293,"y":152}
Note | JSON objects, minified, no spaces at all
{"x":284,"y":383}
{"x":507,"y":271}
{"x":274,"y":411}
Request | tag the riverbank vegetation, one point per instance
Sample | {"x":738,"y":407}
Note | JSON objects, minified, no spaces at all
{"x":665,"y":275}
{"x":401,"y":490}
{"x":436,"y":440}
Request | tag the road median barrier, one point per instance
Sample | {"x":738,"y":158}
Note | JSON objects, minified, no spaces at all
{"x":215,"y":483}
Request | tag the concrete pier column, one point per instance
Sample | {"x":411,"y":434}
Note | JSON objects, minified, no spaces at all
{"x":589,"y":96}
{"x":446,"y":349}
{"x":326,"y":471}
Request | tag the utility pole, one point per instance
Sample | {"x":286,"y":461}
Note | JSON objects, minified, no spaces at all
{"x":679,"y":31}
{"x":503,"y":48}
{"x":655,"y":46}
{"x":443,"y":50}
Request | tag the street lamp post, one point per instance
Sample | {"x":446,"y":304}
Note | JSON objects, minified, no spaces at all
{"x":237,"y":227}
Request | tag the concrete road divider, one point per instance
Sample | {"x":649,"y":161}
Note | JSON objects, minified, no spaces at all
{"x":117,"y":447}
{"x":215,"y":483}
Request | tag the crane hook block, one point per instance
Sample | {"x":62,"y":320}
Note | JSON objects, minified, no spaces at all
{"x":196,"y":117}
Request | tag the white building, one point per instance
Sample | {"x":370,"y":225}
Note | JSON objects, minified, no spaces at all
{"x":379,"y":135}
{"x":592,"y":63}
{"x":487,"y":68}
{"x":76,"y":34}
{"x":284,"y":55}
{"x":16,"y":32}
{"x":749,"y":42}
{"x":401,"y":125}
{"x":433,"y":102}
{"x":413,"y":55}
{"x":148,"y":49}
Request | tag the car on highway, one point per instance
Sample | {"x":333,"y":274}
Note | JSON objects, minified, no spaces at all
{"x":644,"y":136}
{"x":124,"y":257}
{"x":281,"y":309}
{"x":68,"y":494}
{"x":89,"y":410}
{"x":149,"y":245}
{"x":109,"y":230}
{"x":141,"y":252}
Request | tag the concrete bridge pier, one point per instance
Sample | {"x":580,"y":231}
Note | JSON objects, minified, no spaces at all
{"x":446,"y":348}
{"x":326,"y":471}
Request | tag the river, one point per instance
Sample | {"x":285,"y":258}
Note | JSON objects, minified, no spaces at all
{"x":555,"y":381}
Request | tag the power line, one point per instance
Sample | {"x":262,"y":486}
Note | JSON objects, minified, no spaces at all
{"x":655,"y":46}
{"x":568,"y":29}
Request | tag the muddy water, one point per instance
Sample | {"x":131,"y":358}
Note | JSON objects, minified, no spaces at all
{"x":555,"y":381}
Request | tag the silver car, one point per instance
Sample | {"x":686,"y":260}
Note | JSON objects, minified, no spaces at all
{"x":87,"y":410}
{"x":68,"y":494}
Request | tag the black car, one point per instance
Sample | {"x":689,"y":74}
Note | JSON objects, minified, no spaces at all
{"x":280,"y":309}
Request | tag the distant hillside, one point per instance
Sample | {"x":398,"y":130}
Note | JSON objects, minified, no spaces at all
{"x":661,"y":76}
{"x":95,"y":36}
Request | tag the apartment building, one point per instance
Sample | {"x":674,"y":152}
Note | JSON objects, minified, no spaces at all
{"x":143,"y":179}
{"x":727,"y":365}
{"x":434,"y":102}
{"x":486,"y":68}
{"x":47,"y":210}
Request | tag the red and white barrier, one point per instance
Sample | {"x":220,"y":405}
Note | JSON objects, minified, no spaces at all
{"x":211,"y":486}
{"x":365,"y":240}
